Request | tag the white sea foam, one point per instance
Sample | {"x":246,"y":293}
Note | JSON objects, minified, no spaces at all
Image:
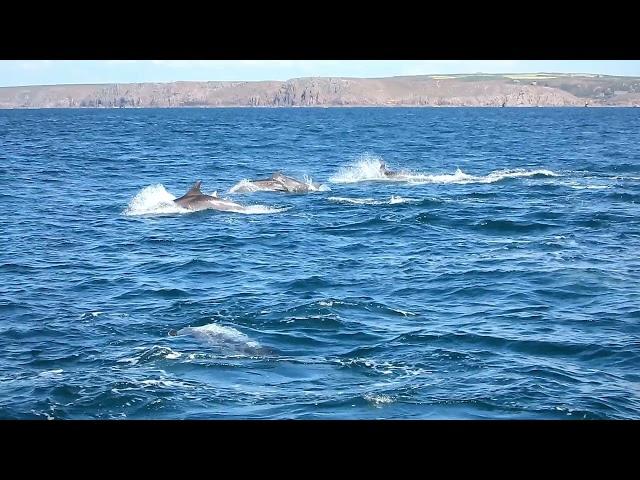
{"x":578,"y":186}
{"x":154,"y":353}
{"x":385,"y":368}
{"x":356,"y":201}
{"x":45,"y":414}
{"x":261,"y":210}
{"x":372,"y":201}
{"x":153,"y":200}
{"x":398,"y":199}
{"x":367,"y":168}
{"x":459,"y":177}
{"x":164,"y":383}
{"x":50,"y":373}
{"x":403,"y":312}
{"x":378,"y":400}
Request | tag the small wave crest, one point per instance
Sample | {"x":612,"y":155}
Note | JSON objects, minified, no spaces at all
{"x":395,"y":199}
{"x":154,"y":353}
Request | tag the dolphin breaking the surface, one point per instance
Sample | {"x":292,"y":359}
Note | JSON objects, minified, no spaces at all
{"x":194,"y":199}
{"x":384,"y":171}
{"x":224,"y":339}
{"x":278,"y":182}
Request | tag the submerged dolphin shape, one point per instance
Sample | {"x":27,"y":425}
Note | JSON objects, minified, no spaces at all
{"x":194,"y":199}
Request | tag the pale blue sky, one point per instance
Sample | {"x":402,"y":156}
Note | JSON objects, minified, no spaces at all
{"x":48,"y":72}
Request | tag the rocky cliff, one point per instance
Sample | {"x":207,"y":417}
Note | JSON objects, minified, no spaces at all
{"x":433,"y":90}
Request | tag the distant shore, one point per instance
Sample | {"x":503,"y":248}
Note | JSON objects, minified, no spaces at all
{"x":477,"y":90}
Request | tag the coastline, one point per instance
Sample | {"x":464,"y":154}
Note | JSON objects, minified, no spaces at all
{"x":432,"y":91}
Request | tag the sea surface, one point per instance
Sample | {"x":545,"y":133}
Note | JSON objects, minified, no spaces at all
{"x":497,"y":278}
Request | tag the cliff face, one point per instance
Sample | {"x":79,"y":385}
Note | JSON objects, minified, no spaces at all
{"x":433,"y":90}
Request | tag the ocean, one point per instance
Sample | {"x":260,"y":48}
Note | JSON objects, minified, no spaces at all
{"x":497,"y":278}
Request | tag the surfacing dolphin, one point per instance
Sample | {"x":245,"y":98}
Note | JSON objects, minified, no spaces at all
{"x":293,"y":185}
{"x":268,"y":184}
{"x":226,"y":340}
{"x":195,"y":200}
{"x":277,"y":183}
{"x":384,"y":171}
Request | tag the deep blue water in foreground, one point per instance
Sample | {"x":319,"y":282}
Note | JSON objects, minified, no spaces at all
{"x":499,"y":278}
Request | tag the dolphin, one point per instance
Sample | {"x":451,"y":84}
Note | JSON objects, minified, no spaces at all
{"x":292,"y":185}
{"x":195,"y":200}
{"x":268,"y":184}
{"x":388,"y":173}
{"x":276,"y":183}
{"x":226,"y":340}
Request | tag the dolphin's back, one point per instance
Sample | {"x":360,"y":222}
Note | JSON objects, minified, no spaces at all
{"x":194,"y":191}
{"x":194,"y":199}
{"x":192,"y":195}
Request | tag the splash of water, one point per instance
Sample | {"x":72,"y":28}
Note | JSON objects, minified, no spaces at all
{"x":245,"y":186}
{"x":153,"y":200}
{"x":315,"y":187}
{"x":368,"y":168}
{"x":365,"y":168}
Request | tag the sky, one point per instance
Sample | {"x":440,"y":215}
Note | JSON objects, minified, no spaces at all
{"x":51,"y":72}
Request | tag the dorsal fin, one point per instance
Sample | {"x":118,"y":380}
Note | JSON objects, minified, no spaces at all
{"x":195,"y":189}
{"x":276,"y":174}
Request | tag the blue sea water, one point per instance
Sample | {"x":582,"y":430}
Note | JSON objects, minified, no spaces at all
{"x":498,"y":278}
